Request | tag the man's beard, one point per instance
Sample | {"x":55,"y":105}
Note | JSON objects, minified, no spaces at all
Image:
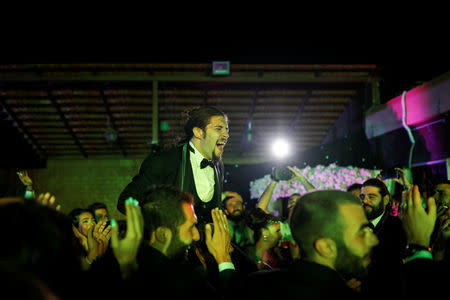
{"x":215,"y":158}
{"x":177,"y":249}
{"x":348,"y":264}
{"x":375,"y":213}
{"x":236,"y":217}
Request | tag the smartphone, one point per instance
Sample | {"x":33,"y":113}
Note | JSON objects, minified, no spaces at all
{"x":282,"y":173}
{"x":388,"y":174}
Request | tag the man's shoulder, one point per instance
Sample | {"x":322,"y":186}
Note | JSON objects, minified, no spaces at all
{"x":393,"y":222}
{"x":266,"y":276}
{"x":172,"y":152}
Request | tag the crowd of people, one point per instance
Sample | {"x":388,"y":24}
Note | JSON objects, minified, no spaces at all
{"x":184,"y":236}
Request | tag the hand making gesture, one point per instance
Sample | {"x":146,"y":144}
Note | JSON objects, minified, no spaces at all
{"x":418,"y":222}
{"x":126,"y":249}
{"x":299,"y":176}
{"x":219,"y":243}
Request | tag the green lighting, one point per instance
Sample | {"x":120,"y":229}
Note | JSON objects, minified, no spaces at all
{"x":164,"y":126}
{"x":221,"y":68}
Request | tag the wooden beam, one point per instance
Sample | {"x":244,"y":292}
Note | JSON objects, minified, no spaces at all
{"x":40,"y":151}
{"x":66,"y":122}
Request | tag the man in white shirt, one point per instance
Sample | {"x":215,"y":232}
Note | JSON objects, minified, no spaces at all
{"x":195,"y":165}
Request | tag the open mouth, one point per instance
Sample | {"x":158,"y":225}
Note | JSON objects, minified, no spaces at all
{"x":221,"y":145}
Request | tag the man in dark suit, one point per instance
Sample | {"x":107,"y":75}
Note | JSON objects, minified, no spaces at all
{"x":195,"y":166}
{"x":333,"y":234}
{"x":389,"y":253}
{"x":169,"y":223}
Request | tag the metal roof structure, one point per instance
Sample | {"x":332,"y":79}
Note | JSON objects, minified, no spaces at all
{"x":99,"y":109}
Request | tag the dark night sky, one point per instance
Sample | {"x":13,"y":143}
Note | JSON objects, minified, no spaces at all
{"x":404,"y":62}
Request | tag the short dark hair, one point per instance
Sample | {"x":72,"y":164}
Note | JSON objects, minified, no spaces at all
{"x":75,"y":213}
{"x":200,"y":117}
{"x":355,"y":186}
{"x":258,"y":219}
{"x":316,"y":215}
{"x":97,"y":205}
{"x":162,"y":206}
{"x":379,"y":184}
{"x":40,"y":243}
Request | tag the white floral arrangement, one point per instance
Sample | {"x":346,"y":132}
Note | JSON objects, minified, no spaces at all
{"x":322,"y":177}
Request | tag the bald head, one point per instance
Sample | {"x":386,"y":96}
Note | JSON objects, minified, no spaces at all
{"x":316,"y":215}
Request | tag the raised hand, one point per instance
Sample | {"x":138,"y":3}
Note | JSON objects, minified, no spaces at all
{"x":418,"y":222}
{"x":94,"y":244}
{"x":48,"y":200}
{"x":403,"y":179}
{"x":219,"y":243}
{"x":126,"y":249}
{"x":95,"y":248}
{"x":299,"y":176}
{"x":102,"y":234}
{"x":81,"y":237}
{"x":25,"y":179}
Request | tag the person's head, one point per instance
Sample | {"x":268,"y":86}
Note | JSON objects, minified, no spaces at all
{"x":374,"y":197}
{"x":82,"y":219}
{"x":442,"y":193}
{"x":266,"y":227}
{"x":234,"y":206}
{"x":100,"y":211}
{"x":38,"y":241}
{"x":331,"y":229}
{"x":355,"y":189}
{"x":207,"y":128}
{"x":169,"y":219}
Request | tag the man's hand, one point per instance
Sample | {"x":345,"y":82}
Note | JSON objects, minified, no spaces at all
{"x":126,"y":250}
{"x":25,"y":179}
{"x":299,"y":176}
{"x":219,"y":243}
{"x":48,"y":200}
{"x":417,"y":222}
{"x":403,"y":179}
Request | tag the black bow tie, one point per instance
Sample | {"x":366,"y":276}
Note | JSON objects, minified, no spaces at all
{"x":206,"y":163}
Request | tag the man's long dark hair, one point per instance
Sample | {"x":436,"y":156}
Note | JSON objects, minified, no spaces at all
{"x":199,"y":117}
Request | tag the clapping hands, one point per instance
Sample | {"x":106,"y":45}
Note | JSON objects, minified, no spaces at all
{"x":219,"y":243}
{"x":126,"y":249}
{"x":96,"y":241}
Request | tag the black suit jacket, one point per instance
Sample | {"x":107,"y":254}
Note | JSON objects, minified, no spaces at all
{"x":159,"y":277}
{"x":387,"y":259}
{"x":300,"y":280}
{"x":166,"y":167}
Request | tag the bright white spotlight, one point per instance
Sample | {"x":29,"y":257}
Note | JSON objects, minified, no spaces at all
{"x":280,"y":148}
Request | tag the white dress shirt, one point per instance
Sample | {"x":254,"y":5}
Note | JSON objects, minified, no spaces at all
{"x":376,"y":220}
{"x":203,"y":178}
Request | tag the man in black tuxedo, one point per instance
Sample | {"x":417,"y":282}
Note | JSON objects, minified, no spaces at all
{"x":195,"y":166}
{"x":169,"y":226}
{"x":389,"y":253}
